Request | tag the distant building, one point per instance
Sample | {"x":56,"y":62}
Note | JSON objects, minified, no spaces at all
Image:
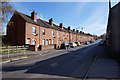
{"x":28,"y":30}
{"x":113,"y":30}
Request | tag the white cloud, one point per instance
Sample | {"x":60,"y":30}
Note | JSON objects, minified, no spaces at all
{"x":96,"y":28}
{"x":79,"y":9}
{"x":96,"y":22}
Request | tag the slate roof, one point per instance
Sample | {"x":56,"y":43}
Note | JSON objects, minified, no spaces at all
{"x":40,"y":22}
{"x":46,"y":24}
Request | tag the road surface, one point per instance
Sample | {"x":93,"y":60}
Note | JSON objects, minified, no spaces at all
{"x":74,"y":63}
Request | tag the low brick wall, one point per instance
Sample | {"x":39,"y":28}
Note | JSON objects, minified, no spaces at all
{"x":31,"y":48}
{"x":46,"y":47}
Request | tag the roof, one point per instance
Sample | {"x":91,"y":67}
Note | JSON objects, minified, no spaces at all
{"x":46,"y":24}
{"x":40,"y":22}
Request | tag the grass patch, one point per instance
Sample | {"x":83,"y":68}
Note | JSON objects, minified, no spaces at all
{"x":13,"y":52}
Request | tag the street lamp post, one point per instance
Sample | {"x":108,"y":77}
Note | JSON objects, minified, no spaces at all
{"x":76,"y":34}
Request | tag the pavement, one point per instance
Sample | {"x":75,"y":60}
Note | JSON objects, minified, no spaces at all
{"x":105,"y":66}
{"x":80,"y":63}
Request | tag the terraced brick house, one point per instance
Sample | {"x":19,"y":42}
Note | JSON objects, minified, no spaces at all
{"x":23,"y":29}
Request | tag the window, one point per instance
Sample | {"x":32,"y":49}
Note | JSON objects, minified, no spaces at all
{"x":71,"y":36}
{"x":58,"y":34}
{"x":53,"y":41}
{"x":43,"y":41}
{"x":34,"y":41}
{"x":52,"y":33}
{"x":63,"y":35}
{"x":47,"y":42}
{"x":34,"y":30}
{"x":43,"y":31}
{"x":28,"y":40}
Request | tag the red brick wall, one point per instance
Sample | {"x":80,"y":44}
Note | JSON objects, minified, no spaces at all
{"x":47,"y":47}
{"x":29,"y":33}
{"x":19,"y":31}
{"x":16,"y":31}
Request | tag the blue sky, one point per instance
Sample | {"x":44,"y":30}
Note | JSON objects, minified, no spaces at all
{"x":92,"y":16}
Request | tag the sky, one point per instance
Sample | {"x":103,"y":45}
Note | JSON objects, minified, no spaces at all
{"x":91,"y":16}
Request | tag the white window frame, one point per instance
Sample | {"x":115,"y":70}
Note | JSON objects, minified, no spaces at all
{"x":43,"y":31}
{"x":58,"y":34}
{"x":43,"y":42}
{"x":63,"y":35}
{"x":52,"y":41}
{"x":53,"y":33}
{"x":49,"y":41}
{"x":46,"y":41}
{"x":34,"y":30}
{"x":34,"y":41}
{"x":28,"y":40}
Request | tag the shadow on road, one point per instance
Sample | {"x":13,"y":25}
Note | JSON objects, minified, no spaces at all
{"x":57,"y":66}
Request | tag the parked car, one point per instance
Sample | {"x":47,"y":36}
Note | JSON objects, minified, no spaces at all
{"x":92,"y":41}
{"x":64,"y":46}
{"x":73,"y":45}
{"x":101,"y":43}
{"x":86,"y":43}
{"x":78,"y":43}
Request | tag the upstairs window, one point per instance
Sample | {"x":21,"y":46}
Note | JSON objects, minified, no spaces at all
{"x":43,"y":31}
{"x":63,"y":35}
{"x":52,"y":33}
{"x":67,"y":35}
{"x":34,"y":30}
{"x":58,"y":34}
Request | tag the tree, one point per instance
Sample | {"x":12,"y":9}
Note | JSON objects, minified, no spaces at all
{"x":7,"y":9}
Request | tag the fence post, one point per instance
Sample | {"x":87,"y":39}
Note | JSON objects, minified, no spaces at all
{"x":8,"y":52}
{"x":24,"y":49}
{"x":16,"y":48}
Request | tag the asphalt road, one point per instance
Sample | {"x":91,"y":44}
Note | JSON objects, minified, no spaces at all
{"x":71,"y":63}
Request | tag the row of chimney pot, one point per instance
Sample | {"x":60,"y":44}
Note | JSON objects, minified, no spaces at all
{"x":34,"y":17}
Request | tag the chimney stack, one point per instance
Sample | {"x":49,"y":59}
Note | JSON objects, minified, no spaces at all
{"x":34,"y":16}
{"x":77,"y":31}
{"x":61,"y":25}
{"x":51,"y":22}
{"x":69,"y":28}
{"x":73,"y":30}
{"x":80,"y":32}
